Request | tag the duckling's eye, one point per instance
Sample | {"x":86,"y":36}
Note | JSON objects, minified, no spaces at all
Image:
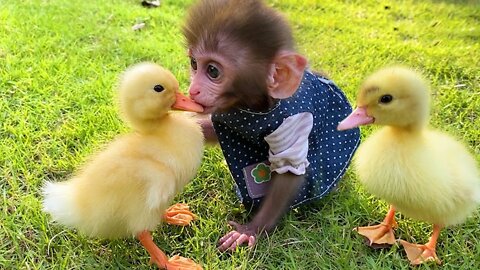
{"x":213,"y":72}
{"x":193,"y":63}
{"x":158,"y":88}
{"x":385,"y":99}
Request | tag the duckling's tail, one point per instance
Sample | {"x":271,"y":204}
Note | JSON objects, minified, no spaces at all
{"x":58,"y":201}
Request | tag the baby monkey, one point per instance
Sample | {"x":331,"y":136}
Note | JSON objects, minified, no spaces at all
{"x":275,"y":119}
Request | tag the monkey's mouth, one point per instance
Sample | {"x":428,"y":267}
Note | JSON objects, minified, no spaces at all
{"x":206,"y":109}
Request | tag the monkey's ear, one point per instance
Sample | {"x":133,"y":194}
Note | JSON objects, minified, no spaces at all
{"x":286,"y":74}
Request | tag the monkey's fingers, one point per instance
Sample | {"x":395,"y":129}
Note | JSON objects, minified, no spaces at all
{"x":242,"y":238}
{"x":233,"y":239}
{"x":251,"y":241}
{"x":226,"y":241}
{"x":226,"y":237}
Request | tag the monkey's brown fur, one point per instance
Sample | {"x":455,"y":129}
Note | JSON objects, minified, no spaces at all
{"x":254,"y":33}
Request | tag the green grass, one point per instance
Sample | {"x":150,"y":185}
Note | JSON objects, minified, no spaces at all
{"x":59,"y":61}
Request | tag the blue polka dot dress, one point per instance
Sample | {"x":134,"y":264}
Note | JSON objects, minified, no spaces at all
{"x":242,"y":133}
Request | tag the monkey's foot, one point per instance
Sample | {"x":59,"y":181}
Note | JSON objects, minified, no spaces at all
{"x":180,"y":263}
{"x":418,"y":254}
{"x":156,"y":255}
{"x":378,"y":235}
{"x":179,"y":214}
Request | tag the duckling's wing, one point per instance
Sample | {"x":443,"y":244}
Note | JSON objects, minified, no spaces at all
{"x":161,"y":185}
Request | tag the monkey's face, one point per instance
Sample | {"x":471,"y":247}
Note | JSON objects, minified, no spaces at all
{"x":233,"y":46}
{"x":220,"y":82}
{"x":210,"y":75}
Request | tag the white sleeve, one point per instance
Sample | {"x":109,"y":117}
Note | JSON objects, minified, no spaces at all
{"x":289,"y":144}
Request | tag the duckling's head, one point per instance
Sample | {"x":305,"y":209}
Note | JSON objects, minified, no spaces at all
{"x":393,"y":96}
{"x":148,"y":91}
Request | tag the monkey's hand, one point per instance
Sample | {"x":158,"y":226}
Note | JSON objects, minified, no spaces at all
{"x":282,"y":190}
{"x":242,"y":234}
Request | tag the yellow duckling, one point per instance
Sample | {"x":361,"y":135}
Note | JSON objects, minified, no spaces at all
{"x":125,"y":189}
{"x":425,"y":174}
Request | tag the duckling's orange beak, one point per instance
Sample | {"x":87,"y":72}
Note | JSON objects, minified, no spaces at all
{"x":184,"y":103}
{"x":357,"y":118}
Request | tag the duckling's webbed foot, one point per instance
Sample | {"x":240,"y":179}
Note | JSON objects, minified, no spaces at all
{"x":381,"y":235}
{"x":378,"y":236}
{"x":180,"y":263}
{"x":179,"y":214}
{"x":418,"y":254}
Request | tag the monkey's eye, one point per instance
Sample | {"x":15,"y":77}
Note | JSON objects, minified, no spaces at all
{"x":158,"y":88}
{"x":193,"y":63}
{"x":213,"y":71}
{"x":385,"y":99}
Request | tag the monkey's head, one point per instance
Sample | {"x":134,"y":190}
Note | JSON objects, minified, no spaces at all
{"x":241,"y":55}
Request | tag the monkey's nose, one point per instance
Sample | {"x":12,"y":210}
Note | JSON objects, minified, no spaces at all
{"x":193,"y":93}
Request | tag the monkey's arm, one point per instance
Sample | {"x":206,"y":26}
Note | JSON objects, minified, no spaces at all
{"x":208,"y":130}
{"x":283,"y":190}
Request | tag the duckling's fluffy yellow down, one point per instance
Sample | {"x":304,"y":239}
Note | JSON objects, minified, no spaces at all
{"x":126,"y":188}
{"x":424,"y":173}
{"x":427,"y":176}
